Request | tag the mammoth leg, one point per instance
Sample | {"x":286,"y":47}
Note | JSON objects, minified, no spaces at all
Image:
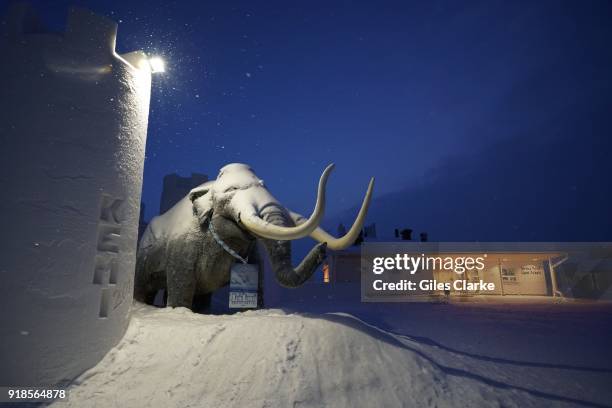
{"x":144,"y":287}
{"x":182,"y":258}
{"x":181,"y":288}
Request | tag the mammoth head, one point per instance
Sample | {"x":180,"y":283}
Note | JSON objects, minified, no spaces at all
{"x":240,"y":195}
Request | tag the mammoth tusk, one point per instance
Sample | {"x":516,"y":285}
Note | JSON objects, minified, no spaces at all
{"x":258,"y":226}
{"x":349,"y":238}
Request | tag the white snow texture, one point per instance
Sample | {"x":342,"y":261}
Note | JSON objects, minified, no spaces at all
{"x":175,"y":358}
{"x":73,"y":128}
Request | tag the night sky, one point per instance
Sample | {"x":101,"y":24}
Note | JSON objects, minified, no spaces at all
{"x":426,"y":96}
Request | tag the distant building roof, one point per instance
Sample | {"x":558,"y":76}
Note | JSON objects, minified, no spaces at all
{"x":176,"y":187}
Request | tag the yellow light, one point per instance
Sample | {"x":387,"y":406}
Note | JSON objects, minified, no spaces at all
{"x":325,"y":273}
{"x":157,"y":64}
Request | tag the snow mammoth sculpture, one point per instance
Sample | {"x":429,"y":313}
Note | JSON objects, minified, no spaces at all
{"x":189,"y":250}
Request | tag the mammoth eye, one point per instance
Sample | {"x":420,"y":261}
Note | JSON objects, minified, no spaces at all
{"x":227,"y":190}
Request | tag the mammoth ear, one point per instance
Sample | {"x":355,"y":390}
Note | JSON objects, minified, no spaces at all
{"x":198,"y":192}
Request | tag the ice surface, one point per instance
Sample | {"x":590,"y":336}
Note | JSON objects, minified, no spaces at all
{"x":175,"y":358}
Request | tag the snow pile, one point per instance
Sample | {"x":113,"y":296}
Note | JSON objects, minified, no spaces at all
{"x":175,"y":358}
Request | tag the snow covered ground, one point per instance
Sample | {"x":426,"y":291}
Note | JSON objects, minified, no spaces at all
{"x":271,"y":358}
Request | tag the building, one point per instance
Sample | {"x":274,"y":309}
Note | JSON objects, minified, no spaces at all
{"x":176,"y":187}
{"x":516,"y":269}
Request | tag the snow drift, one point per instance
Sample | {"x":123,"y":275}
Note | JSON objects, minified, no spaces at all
{"x":176,"y":358}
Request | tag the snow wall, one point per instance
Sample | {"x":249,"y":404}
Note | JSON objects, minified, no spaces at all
{"x":73,"y":124}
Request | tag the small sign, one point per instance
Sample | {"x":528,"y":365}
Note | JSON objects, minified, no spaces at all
{"x":531,"y":270}
{"x":243,"y":286}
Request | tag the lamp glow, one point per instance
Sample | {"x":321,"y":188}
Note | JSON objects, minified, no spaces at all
{"x":157,"y":64}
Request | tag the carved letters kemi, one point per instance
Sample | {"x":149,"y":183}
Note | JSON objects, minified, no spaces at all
{"x":106,"y":270}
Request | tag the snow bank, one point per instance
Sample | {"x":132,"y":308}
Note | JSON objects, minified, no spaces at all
{"x":175,"y":358}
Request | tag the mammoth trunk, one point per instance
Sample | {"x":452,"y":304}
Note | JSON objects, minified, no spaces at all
{"x":279,"y":253}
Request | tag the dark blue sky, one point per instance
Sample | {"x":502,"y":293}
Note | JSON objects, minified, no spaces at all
{"x":397,"y":90}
